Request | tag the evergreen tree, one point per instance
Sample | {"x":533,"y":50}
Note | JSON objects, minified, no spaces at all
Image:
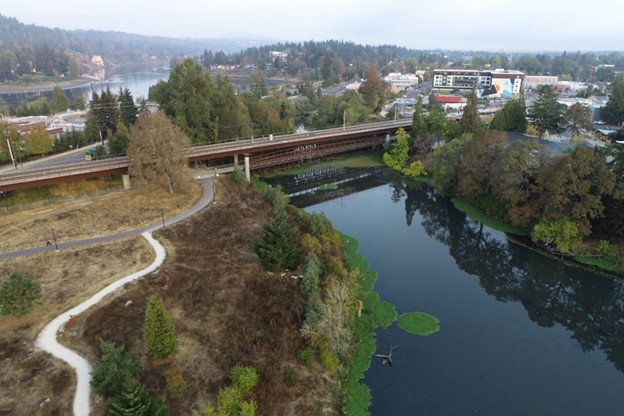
{"x":158,"y":330}
{"x":134,"y":401}
{"x":127,"y":109}
{"x":419,"y":122}
{"x":613,"y":111}
{"x":116,"y":369}
{"x":470,"y":121}
{"x":512,"y":117}
{"x":60,"y":102}
{"x":118,"y":145}
{"x":18,"y":294}
{"x":546,"y":112}
{"x":279,"y":247}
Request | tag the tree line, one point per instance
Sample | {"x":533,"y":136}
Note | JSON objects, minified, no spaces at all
{"x":561,"y":200}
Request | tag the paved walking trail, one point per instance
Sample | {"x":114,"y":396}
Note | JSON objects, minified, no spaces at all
{"x":47,"y":337}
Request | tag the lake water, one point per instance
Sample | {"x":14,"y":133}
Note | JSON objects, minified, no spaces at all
{"x":138,"y":83}
{"x":521,"y":334}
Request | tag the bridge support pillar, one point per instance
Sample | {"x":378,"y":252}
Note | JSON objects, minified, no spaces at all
{"x":247,"y":175}
{"x":387,"y":140}
{"x":125,"y":177}
{"x":235,"y":161}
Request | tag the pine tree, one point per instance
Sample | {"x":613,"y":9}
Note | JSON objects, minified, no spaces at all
{"x":470,"y":121}
{"x":419,"y":122}
{"x":158,"y":330}
{"x":116,"y":369}
{"x":279,"y":247}
{"x":134,"y":401}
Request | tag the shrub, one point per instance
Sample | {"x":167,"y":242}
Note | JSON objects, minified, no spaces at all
{"x":244,"y":378}
{"x":238,"y":176}
{"x":305,"y":356}
{"x":18,"y":294}
{"x":329,"y":361}
{"x":176,"y":385}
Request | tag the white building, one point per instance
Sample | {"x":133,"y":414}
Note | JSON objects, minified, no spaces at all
{"x":398,"y":80}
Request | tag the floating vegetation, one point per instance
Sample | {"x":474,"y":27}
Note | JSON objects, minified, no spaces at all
{"x":419,"y":323}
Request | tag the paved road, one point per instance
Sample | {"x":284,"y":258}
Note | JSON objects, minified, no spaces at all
{"x":207,"y":197}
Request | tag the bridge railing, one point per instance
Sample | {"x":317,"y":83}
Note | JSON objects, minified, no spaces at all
{"x":35,"y":174}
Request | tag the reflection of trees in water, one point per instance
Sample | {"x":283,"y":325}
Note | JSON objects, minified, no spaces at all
{"x":552,"y":293}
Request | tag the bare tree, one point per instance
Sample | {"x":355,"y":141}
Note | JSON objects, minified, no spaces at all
{"x":156,"y":153}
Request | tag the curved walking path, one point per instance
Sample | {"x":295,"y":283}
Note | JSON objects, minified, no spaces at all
{"x":46,"y":340}
{"x":47,"y":337}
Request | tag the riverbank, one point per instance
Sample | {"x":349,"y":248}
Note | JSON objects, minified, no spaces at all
{"x":581,"y":260}
{"x":44,"y":86}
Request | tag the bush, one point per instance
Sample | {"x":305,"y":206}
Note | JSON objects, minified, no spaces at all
{"x":238,"y":176}
{"x":176,"y":385}
{"x":329,"y":361}
{"x":18,"y":294}
{"x":305,"y":356}
{"x":244,"y":378}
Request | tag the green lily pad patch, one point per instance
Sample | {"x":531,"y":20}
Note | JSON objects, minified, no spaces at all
{"x":419,"y":323}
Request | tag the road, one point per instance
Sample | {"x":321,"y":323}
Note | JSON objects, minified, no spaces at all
{"x":207,"y":196}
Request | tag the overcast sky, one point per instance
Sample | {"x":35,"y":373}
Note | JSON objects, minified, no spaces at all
{"x":508,"y":25}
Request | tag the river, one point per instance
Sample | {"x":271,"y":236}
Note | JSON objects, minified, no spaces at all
{"x":521,"y":334}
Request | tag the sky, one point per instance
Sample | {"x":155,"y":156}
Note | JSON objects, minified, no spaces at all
{"x":501,"y":25}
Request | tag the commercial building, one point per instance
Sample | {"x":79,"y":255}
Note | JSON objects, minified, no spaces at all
{"x":398,"y":80}
{"x":486,"y":84}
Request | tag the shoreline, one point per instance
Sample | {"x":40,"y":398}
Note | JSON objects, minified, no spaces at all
{"x":47,"y":86}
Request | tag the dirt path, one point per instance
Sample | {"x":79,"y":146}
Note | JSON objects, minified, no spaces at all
{"x":47,"y":337}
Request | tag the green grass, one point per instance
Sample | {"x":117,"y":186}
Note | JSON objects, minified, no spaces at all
{"x":328,"y":186}
{"x":601,"y":263}
{"x":477,"y":215}
{"x":419,"y":323}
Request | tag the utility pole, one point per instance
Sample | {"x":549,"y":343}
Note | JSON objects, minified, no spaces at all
{"x":8,"y":140}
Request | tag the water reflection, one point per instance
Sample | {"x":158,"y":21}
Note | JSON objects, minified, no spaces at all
{"x":551,"y":292}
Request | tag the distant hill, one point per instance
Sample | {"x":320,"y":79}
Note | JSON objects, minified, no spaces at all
{"x":27,"y":49}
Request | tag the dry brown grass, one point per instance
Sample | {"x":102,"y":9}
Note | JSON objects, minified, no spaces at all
{"x":91,"y":217}
{"x":227,"y":310}
{"x":68,"y":277}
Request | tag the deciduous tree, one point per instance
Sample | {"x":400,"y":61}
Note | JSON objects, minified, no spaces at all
{"x":157,"y":154}
{"x":573,"y":186}
{"x":374,"y":90}
{"x":578,"y":117}
{"x":478,"y":163}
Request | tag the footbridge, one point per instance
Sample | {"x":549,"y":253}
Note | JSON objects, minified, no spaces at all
{"x":258,"y":153}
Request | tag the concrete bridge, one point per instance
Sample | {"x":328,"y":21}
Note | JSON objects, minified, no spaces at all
{"x":258,"y":153}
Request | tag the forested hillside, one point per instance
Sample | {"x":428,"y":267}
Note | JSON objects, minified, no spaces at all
{"x":28,"y":49}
